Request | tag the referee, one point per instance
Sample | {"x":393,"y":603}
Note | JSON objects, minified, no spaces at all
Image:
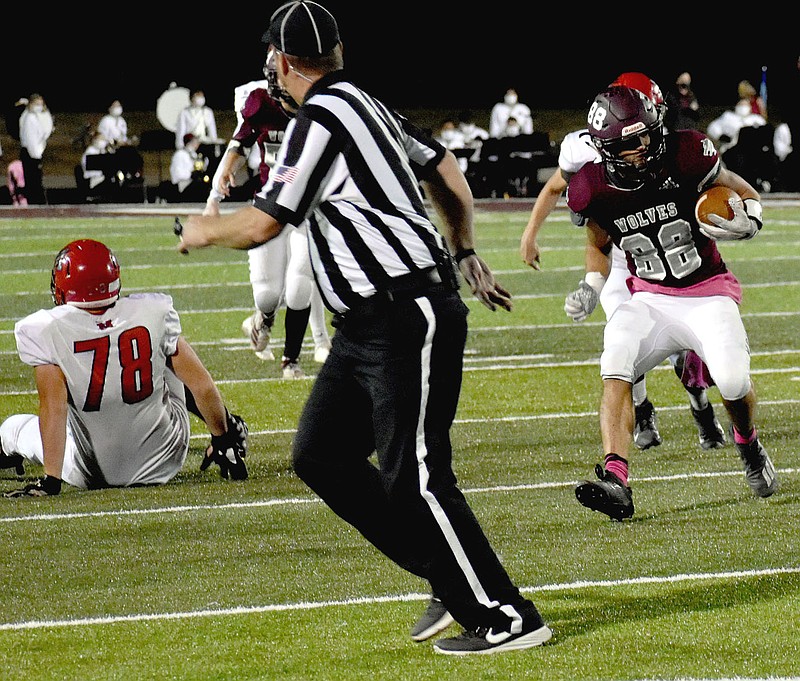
{"x":390,"y":386}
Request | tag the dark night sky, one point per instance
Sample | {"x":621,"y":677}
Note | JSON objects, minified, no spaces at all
{"x":428,"y":56}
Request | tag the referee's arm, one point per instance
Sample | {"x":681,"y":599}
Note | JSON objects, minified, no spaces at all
{"x":242,"y":229}
{"x":449,"y":192}
{"x":451,"y":196}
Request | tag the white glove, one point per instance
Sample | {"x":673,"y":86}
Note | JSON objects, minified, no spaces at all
{"x":745,"y":223}
{"x":581,"y":303}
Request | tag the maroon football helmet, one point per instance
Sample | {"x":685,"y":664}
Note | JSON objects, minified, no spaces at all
{"x":85,"y":274}
{"x":623,"y":119}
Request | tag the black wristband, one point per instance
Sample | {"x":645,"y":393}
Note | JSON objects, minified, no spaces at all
{"x":464,"y":253}
{"x":50,"y":484}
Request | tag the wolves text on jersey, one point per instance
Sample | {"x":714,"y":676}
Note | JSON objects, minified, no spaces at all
{"x":645,"y":217}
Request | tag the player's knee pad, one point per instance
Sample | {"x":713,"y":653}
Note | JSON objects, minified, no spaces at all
{"x":617,"y":361}
{"x":733,"y":382}
{"x":267,"y":297}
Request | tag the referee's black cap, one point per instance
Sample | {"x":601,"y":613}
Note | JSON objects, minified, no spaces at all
{"x":302,"y":29}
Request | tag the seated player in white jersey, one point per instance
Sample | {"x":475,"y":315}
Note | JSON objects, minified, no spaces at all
{"x":577,"y":150}
{"x":116,"y":381}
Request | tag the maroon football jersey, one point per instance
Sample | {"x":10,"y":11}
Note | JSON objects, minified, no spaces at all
{"x":655,"y":224}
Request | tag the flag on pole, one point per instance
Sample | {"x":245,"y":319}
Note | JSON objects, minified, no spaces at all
{"x":763,"y":90}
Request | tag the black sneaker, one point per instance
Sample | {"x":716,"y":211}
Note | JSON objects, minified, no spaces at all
{"x":12,"y":461}
{"x":436,"y":618}
{"x":710,"y":432}
{"x":645,"y":432}
{"x":607,"y":494}
{"x":758,"y":469}
{"x":484,"y":640}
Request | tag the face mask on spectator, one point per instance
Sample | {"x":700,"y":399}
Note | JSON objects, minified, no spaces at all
{"x":116,"y":110}
{"x":510,"y":99}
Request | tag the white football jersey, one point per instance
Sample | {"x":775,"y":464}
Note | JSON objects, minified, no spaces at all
{"x":576,"y":151}
{"x":127,"y":409}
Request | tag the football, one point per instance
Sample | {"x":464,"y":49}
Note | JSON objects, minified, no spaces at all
{"x":714,"y":200}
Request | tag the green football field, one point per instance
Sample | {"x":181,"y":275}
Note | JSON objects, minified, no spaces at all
{"x":207,"y":579}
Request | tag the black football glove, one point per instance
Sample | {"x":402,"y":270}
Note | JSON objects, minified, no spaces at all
{"x":47,"y":486}
{"x":229,"y":450}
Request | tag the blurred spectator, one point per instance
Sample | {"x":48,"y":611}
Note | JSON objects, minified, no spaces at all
{"x":188,"y":173}
{"x":196,"y":119}
{"x":15,"y":179}
{"x":745,"y":141}
{"x":782,"y":141}
{"x":94,"y":178}
{"x":35,"y":128}
{"x":450,"y":137}
{"x":510,"y":107}
{"x":474,"y":135}
{"x":114,"y":127}
{"x":789,"y":134}
{"x":747,"y":92}
{"x":512,"y":128}
{"x":724,"y":130}
{"x":683,"y":109}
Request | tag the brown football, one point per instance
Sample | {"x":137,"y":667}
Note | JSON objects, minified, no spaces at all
{"x":715,"y":200}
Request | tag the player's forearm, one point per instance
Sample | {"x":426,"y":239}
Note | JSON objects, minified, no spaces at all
{"x":596,"y":260}
{"x":209,"y":402}
{"x":52,"y":390}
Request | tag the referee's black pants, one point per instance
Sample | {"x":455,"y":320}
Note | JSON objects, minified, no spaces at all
{"x":390,"y":386}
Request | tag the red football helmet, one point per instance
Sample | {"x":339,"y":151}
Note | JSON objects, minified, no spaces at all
{"x":639,"y":81}
{"x":85,"y":274}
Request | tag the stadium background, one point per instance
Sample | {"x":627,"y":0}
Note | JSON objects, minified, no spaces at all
{"x":428,"y":60}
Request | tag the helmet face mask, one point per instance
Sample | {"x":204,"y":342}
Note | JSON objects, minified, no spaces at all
{"x":622,"y":119}
{"x":85,"y":274}
{"x":274,"y":88}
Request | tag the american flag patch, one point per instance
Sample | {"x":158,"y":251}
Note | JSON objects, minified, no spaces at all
{"x":285,"y":174}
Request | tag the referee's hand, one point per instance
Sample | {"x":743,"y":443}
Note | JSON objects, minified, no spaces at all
{"x":482,"y":283}
{"x":190,"y":236}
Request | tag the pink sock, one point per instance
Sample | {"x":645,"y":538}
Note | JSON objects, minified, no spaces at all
{"x":741,"y":439}
{"x":618,"y":466}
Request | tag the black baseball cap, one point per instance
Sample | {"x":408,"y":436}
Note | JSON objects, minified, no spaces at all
{"x":302,"y":29}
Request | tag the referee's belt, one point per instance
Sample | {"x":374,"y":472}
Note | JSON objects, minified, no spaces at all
{"x":406,"y":287}
{"x":415,"y":284}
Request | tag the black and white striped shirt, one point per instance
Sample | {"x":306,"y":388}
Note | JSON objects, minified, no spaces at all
{"x":351,"y":167}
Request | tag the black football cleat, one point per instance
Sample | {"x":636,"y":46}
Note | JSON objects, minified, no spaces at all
{"x":758,"y":469}
{"x":645,"y":431}
{"x":607,"y":494}
{"x":708,"y":429}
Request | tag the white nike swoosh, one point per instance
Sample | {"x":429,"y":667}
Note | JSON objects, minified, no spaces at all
{"x":496,"y":638}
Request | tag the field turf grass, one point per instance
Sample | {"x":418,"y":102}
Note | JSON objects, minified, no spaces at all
{"x":207,"y":579}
